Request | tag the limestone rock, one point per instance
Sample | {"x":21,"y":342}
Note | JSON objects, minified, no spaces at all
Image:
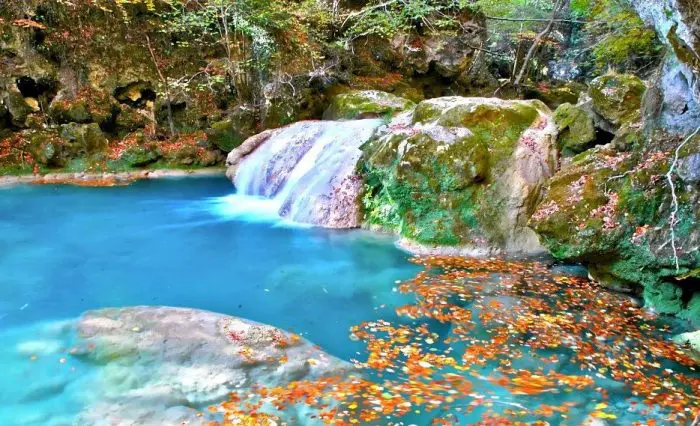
{"x":365,"y":104}
{"x":140,"y":156}
{"x":88,"y":105}
{"x":461,"y":171}
{"x":610,"y":210}
{"x":17,"y":106}
{"x":691,"y":339}
{"x":234,"y":158}
{"x":84,"y":138}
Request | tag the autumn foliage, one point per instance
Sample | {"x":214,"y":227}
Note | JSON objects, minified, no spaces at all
{"x":513,"y":325}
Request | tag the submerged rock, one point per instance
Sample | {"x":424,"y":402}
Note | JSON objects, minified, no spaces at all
{"x":161,"y":365}
{"x":461,"y":172}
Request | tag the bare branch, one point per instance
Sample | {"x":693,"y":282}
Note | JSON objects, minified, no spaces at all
{"x":674,"y":200}
{"x":536,"y":43}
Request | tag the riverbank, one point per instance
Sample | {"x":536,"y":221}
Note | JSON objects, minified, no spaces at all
{"x":107,"y":179}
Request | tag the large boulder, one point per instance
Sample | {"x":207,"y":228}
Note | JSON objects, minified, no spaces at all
{"x":160,"y":365}
{"x":229,"y":133}
{"x":16,"y":105}
{"x":461,"y":172}
{"x":84,"y":138}
{"x":365,"y":104}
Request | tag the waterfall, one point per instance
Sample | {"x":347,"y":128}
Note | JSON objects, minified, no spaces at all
{"x":308,"y":171}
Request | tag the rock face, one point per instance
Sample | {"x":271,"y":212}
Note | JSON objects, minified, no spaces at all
{"x":678,"y":24}
{"x":161,"y":365}
{"x":461,"y":172}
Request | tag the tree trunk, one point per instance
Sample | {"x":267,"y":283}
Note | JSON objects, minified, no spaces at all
{"x":163,"y":80}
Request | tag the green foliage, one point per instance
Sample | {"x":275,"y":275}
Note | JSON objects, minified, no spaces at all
{"x":229,"y":21}
{"x":387,"y":18}
{"x":621,"y":39}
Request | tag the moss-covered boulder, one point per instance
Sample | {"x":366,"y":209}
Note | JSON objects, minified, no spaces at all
{"x":140,"y":156}
{"x":230,"y":133}
{"x":130,"y":119}
{"x":45,"y":148}
{"x":85,"y":139}
{"x":617,"y":97}
{"x":88,"y":105}
{"x":461,"y":172}
{"x":365,"y":104}
{"x":17,"y":106}
{"x":616,"y":212}
{"x":576,"y":129}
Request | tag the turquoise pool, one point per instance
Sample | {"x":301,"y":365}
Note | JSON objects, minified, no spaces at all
{"x":193,"y":243}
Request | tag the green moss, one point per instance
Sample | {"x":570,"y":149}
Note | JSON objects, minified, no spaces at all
{"x":230,"y":133}
{"x":17,"y":107}
{"x":576,"y":129}
{"x":438,"y":185}
{"x":632,"y":245}
{"x":84,"y":138}
{"x":364,"y":104}
{"x":665,"y":297}
{"x":140,"y":156}
{"x":617,"y":97}
{"x":692,"y":310}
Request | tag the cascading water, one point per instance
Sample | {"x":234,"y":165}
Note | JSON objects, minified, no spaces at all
{"x":307,"y":171}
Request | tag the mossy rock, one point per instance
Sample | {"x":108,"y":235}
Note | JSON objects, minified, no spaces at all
{"x":140,"y":156}
{"x":46,"y":148}
{"x":556,"y":96}
{"x":608,"y":209}
{"x":692,"y":310}
{"x":84,"y":138}
{"x":130,"y":119}
{"x":88,"y":105}
{"x":665,"y":297}
{"x":447,"y":172}
{"x":365,"y":104}
{"x":230,"y":133}
{"x":17,"y":107}
{"x":576,"y":129}
{"x":617,"y":97}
